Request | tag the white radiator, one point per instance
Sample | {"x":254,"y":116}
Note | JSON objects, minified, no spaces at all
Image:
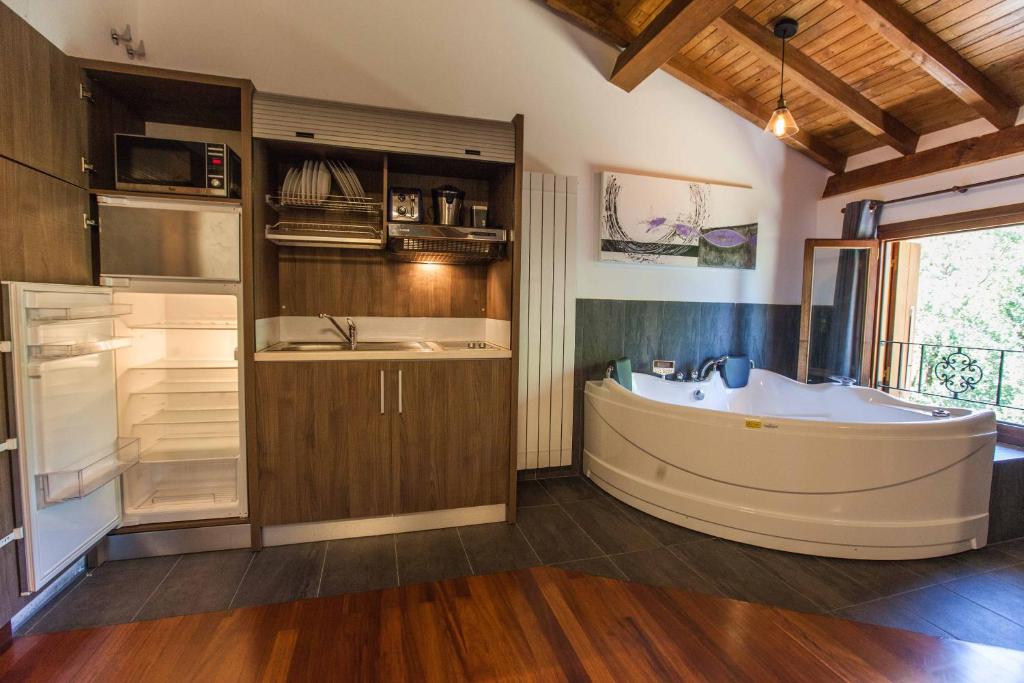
{"x":547,"y":329}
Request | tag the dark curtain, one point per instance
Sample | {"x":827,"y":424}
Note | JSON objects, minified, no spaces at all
{"x":845,"y":332}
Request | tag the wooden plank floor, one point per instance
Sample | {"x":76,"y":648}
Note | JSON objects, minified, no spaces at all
{"x":533,"y":624}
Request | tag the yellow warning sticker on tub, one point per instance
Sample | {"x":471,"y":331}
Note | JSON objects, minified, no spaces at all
{"x":752,"y":423}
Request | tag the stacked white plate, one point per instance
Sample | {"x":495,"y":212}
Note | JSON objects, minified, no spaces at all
{"x":346,"y":180}
{"x":309,"y":185}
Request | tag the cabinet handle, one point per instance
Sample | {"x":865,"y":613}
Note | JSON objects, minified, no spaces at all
{"x":399,"y":392}
{"x":381,"y":392}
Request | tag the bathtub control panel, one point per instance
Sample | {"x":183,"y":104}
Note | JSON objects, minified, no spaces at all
{"x":663,"y":368}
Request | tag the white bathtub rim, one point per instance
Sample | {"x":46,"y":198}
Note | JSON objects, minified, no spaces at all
{"x":972,"y":532}
{"x":693,"y":473}
{"x":619,"y":393}
{"x":879,"y":431}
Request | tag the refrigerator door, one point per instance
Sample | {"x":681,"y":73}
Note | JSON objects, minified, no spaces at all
{"x":69,"y":456}
{"x":169,"y":238}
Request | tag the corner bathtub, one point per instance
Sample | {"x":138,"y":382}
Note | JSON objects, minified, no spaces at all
{"x":819,"y":469}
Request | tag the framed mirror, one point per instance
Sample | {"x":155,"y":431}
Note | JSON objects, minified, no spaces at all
{"x":837,"y":314}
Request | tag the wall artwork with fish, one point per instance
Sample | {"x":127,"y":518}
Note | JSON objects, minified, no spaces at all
{"x":648,"y":219}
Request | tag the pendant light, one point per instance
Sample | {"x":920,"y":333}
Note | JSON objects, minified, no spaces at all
{"x":782,"y":124}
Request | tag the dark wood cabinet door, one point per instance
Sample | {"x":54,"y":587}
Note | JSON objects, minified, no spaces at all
{"x":322,"y":441}
{"x":450,"y":433}
{"x":43,"y":120}
{"x":41,"y":228}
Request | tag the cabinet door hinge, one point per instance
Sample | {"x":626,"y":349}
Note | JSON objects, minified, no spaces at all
{"x":9,"y":445}
{"x":89,"y":222}
{"x":17,"y":533}
{"x":84,"y":93}
{"x":87,"y":167}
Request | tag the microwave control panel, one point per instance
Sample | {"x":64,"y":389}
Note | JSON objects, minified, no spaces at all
{"x":215,"y":163}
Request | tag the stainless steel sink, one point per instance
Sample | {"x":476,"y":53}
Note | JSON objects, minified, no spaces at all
{"x":343,"y":346}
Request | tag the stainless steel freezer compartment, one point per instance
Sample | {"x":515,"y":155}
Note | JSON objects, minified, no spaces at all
{"x":169,"y":238}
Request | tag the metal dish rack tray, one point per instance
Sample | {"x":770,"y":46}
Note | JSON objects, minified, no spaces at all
{"x":335,"y":222}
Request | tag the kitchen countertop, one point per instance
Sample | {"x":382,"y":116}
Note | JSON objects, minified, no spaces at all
{"x":429,"y":350}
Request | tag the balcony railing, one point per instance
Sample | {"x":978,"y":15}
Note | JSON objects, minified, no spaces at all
{"x":963,"y":374}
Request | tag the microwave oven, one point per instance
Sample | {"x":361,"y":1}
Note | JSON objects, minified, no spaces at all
{"x":161,"y":165}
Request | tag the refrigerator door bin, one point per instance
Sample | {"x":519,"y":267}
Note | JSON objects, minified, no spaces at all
{"x":43,"y":313}
{"x":92,"y":473}
{"x":56,"y":350}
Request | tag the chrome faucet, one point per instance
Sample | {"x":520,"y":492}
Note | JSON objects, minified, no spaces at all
{"x":350,"y":336}
{"x":709,"y":367}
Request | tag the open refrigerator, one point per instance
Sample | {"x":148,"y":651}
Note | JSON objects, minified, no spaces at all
{"x":126,"y":409}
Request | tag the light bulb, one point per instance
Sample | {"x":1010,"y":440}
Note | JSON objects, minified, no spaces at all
{"x":782,"y":124}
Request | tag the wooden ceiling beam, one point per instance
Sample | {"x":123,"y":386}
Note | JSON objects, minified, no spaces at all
{"x":674,"y":26}
{"x":750,"y":109}
{"x":938,"y":59}
{"x":818,"y":80}
{"x":613,"y":31}
{"x":1003,"y":143}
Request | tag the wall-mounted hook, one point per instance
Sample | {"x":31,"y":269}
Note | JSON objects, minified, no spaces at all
{"x":136,"y":52}
{"x":123,"y":37}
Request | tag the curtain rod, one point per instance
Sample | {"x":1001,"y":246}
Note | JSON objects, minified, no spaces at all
{"x":959,"y":189}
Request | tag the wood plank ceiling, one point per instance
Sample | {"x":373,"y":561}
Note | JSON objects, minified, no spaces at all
{"x":860,"y":74}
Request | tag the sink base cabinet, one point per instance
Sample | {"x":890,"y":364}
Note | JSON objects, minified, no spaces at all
{"x":332,"y":446}
{"x":450,"y":440}
{"x":322,"y":442}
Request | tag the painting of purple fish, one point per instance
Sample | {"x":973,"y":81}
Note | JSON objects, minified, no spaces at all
{"x":658,"y":220}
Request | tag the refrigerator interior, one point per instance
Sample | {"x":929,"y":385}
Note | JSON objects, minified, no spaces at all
{"x":178,"y":393}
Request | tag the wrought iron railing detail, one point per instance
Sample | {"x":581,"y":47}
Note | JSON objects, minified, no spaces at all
{"x":958,"y":372}
{"x":983,"y":376}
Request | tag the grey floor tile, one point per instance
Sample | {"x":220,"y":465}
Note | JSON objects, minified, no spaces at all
{"x":430,"y":556}
{"x":497,"y":547}
{"x":282,"y":573}
{"x":201,"y":582}
{"x":660,"y":567}
{"x":666,"y":533}
{"x":735,"y":574}
{"x":826,"y":587}
{"x":608,"y":527}
{"x":878,"y":578}
{"x":1015,"y":548}
{"x":1013,"y":575}
{"x":595,"y":566}
{"x":354,"y":565}
{"x":554,"y":535}
{"x":950,"y":567}
{"x":1003,"y":597}
{"x":962,"y":618}
{"x":113,"y":593}
{"x":531,"y":492}
{"x":570,"y":489}
{"x":885,"y":613}
{"x":43,"y":609}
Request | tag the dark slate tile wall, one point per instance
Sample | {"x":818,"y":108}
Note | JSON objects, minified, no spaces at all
{"x":683,"y":331}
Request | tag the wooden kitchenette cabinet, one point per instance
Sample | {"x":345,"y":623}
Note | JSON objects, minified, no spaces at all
{"x":350,"y":439}
{"x":322,"y":436}
{"x":447,"y":437}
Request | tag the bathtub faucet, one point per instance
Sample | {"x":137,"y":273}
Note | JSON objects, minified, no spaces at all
{"x":709,"y":367}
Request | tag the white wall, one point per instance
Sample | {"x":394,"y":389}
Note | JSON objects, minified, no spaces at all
{"x":491,"y":59}
{"x":830,"y":219}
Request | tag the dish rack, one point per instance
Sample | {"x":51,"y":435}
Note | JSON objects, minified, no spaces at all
{"x":335,"y":221}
